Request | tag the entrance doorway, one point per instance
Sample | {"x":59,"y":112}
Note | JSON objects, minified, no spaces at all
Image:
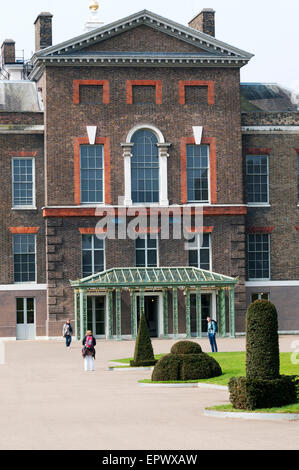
{"x":25,"y":325}
{"x":206,"y":311}
{"x":151,"y":309}
{"x":96,"y":307}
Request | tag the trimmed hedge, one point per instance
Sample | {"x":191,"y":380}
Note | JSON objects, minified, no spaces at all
{"x":143,"y":354}
{"x":251,"y":394}
{"x":192,"y":365}
{"x":262,"y":387}
{"x":262,"y":346}
{"x":186,"y":347}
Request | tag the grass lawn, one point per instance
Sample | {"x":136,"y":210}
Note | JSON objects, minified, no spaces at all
{"x":284,"y":409}
{"x":233,"y":365}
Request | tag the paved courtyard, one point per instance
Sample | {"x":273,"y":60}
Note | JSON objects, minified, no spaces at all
{"x":48,"y":402}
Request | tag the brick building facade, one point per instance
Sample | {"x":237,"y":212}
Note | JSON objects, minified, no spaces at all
{"x":69,"y":151}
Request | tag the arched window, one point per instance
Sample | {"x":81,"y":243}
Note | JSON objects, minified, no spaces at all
{"x":145,"y":155}
{"x":145,"y":167}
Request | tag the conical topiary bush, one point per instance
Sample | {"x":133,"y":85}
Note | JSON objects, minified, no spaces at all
{"x":263,"y":386}
{"x":144,"y":354}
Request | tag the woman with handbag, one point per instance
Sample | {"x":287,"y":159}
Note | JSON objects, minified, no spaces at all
{"x":88,"y":351}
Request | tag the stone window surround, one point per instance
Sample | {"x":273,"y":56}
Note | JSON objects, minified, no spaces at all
{"x":163,"y":155}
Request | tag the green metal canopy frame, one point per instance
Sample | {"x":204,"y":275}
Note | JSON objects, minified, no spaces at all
{"x":164,"y":279}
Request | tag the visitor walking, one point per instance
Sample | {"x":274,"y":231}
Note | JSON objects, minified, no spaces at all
{"x":88,"y":351}
{"x":67,"y":332}
{"x":212,"y":330}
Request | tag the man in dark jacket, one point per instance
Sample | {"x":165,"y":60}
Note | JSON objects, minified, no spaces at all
{"x":212,"y":334}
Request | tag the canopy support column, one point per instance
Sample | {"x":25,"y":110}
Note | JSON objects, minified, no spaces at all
{"x":198,"y":313}
{"x":165,"y":313}
{"x":76,"y":313}
{"x":83,"y":313}
{"x":133,"y":313}
{"x":222,"y":313}
{"x":110,"y":313}
{"x":118,"y":314}
{"x":232,"y":316}
{"x":188,"y":313}
{"x":175,"y":312}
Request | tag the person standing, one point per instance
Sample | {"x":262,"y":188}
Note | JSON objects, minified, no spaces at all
{"x":88,"y":351}
{"x":67,"y":332}
{"x":212,"y":330}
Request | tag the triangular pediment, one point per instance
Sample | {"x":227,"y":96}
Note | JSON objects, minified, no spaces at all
{"x":125,"y":39}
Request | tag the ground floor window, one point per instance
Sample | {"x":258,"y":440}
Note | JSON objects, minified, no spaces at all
{"x":146,"y":252}
{"x":93,"y":255}
{"x":258,"y":256}
{"x":199,"y":249}
{"x":24,"y":258}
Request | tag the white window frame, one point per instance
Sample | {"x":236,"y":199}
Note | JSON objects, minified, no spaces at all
{"x":35,"y":264}
{"x":145,"y":249}
{"x":269,"y":259}
{"x":93,"y":249}
{"x":93,"y":203}
{"x":259,"y":204}
{"x":198,"y":248}
{"x":208,"y":202}
{"x":25,"y":206}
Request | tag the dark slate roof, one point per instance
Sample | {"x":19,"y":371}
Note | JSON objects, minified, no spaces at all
{"x":267,"y":97}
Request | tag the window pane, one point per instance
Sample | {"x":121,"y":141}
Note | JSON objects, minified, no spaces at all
{"x":22,"y":182}
{"x":257,"y":178}
{"x":258,"y":248}
{"x":91,"y":173}
{"x":198,"y":173}
{"x":24,"y":258}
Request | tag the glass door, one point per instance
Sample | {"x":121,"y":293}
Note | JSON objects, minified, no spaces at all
{"x":96,"y":316}
{"x":25,"y":321}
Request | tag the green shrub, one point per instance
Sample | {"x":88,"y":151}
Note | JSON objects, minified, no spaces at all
{"x":167,"y":368}
{"x":192,"y":365}
{"x":143,"y":354}
{"x":262,"y":347}
{"x":262,"y":387}
{"x":199,"y":366}
{"x":186,"y":347}
{"x":251,"y":394}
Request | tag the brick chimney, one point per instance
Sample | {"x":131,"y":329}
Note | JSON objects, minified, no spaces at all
{"x":43,"y":31}
{"x":204,"y":21}
{"x":8,"y":52}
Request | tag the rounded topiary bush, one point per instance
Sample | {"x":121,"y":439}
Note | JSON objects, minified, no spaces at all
{"x":262,"y":347}
{"x":167,"y":368}
{"x":185,"y":362}
{"x":186,"y":347}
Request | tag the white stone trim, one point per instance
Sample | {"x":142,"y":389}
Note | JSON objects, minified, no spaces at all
{"x":163,"y":156}
{"x":266,"y":283}
{"x":22,"y":287}
{"x":91,"y":132}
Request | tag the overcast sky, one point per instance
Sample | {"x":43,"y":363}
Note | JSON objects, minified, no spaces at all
{"x":266,"y":28}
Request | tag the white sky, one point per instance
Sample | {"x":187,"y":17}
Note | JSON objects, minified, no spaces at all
{"x":266,"y":28}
